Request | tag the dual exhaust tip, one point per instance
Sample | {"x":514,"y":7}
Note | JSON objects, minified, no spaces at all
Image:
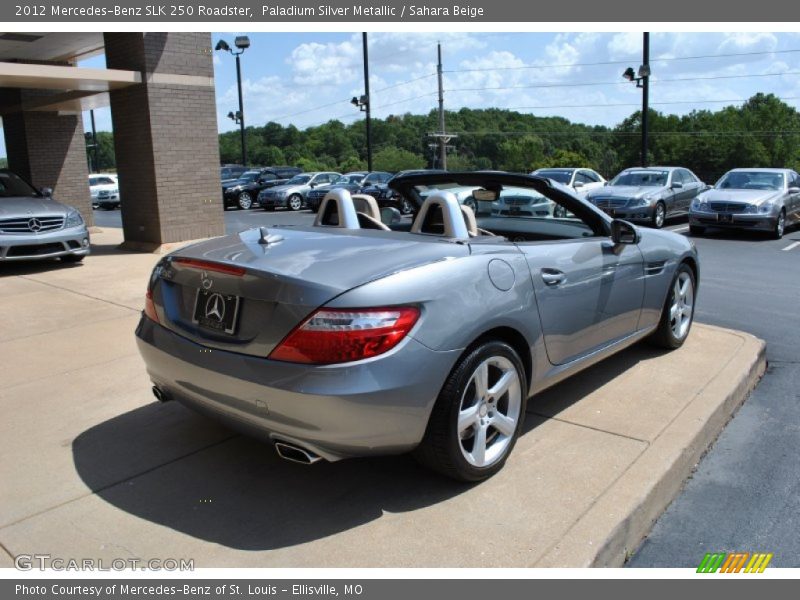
{"x":285,"y":450}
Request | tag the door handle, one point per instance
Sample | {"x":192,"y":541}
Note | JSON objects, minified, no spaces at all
{"x":552,"y":276}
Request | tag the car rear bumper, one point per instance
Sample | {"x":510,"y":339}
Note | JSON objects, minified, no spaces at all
{"x":31,"y":246}
{"x":376,"y":406}
{"x":742,"y":221}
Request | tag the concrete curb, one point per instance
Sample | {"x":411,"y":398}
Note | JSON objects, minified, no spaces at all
{"x":606,"y":534}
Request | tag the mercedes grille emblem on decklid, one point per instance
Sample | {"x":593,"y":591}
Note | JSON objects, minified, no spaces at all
{"x":34,"y":224}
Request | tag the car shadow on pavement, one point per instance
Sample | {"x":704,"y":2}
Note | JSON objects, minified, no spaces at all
{"x":235,"y":491}
{"x":168,"y":465}
{"x":35,"y":267}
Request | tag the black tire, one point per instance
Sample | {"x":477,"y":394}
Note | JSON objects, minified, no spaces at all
{"x":659,"y":215}
{"x":72,"y":258}
{"x":665,"y":336}
{"x":294,"y":202}
{"x":780,"y":226}
{"x":244,"y":201}
{"x":442,"y":447}
{"x":697,"y":229}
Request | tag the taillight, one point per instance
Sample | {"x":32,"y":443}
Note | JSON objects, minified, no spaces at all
{"x":149,"y":307}
{"x":344,"y":335}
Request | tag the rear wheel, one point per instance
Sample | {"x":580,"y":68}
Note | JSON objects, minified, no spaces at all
{"x":405,"y":207}
{"x":478,"y":415}
{"x":244,"y":201}
{"x":659,"y":215}
{"x":678,"y":311}
{"x":295,"y":202}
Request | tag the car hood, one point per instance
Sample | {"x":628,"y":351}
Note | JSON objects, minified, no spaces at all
{"x":23,"y":206}
{"x":748,"y":196}
{"x":289,"y":188}
{"x":337,"y":186}
{"x":625,"y":191}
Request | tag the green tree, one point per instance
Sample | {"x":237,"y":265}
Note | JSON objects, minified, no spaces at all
{"x":396,"y":159}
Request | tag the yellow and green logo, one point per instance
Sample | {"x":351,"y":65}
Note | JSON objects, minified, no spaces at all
{"x":734,"y":562}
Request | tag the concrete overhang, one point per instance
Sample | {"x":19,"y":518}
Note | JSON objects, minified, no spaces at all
{"x":75,"y":88}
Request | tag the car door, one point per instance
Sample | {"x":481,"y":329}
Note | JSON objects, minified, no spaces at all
{"x":793,"y":197}
{"x":691,"y":187}
{"x":589,"y":293}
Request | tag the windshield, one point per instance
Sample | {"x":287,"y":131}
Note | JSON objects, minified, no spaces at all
{"x":641,"y":178}
{"x":351,"y":178}
{"x":299,"y":179}
{"x":249,"y":176}
{"x":559,"y":176}
{"x":100,"y":181}
{"x":751,"y":180}
{"x":11,"y":185}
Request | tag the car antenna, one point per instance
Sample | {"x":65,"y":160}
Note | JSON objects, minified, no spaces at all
{"x":266,"y":238}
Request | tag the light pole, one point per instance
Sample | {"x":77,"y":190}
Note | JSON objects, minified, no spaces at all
{"x":242,"y":42}
{"x":642,"y":80}
{"x":362,"y":103}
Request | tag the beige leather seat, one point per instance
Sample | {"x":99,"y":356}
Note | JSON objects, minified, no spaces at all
{"x":368,"y":211}
{"x":441,"y":214}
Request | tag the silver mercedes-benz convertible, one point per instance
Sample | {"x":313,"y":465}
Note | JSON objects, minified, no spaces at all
{"x":367,"y":333}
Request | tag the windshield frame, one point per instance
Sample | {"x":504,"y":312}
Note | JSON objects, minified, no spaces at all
{"x":749,"y":175}
{"x":664,"y":172}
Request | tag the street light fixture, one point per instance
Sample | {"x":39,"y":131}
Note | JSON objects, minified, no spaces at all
{"x":242,"y":42}
{"x":642,"y":80}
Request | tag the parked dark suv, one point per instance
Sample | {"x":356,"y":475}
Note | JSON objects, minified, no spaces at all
{"x":243,"y":192}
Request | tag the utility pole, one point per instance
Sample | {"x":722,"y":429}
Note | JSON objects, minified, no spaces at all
{"x":441,"y":136}
{"x":442,"y":142}
{"x":241,"y":111}
{"x":367,"y":102}
{"x":645,"y":71}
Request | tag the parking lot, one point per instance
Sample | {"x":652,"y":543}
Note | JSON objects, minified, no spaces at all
{"x":193,"y":488}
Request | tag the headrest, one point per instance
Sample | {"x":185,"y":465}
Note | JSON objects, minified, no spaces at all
{"x":337,"y":210}
{"x":441,"y":214}
{"x":366,"y":204}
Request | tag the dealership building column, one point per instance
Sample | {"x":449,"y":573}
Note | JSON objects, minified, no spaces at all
{"x":48,"y":149}
{"x":165,"y":138}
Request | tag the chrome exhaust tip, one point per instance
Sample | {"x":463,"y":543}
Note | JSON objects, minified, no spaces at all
{"x":160,"y":394}
{"x":296,"y":454}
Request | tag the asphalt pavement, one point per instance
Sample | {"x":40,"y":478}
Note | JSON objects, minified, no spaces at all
{"x":745,"y":493}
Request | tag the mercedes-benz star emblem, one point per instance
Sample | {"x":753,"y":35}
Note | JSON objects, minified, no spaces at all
{"x":215,"y":307}
{"x":34,"y":224}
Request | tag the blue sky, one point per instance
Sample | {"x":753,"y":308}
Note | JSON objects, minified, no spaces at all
{"x":309,"y":78}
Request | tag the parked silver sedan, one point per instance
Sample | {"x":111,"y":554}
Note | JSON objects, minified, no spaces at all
{"x":34,"y":226}
{"x":758,"y":199}
{"x":293,"y":194}
{"x":365,"y":334}
{"x":650,"y":195}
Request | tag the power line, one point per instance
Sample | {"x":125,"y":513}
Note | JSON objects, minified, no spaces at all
{"x":616,"y":62}
{"x":601,"y":83}
{"x":636,"y":133}
{"x":596,"y":105}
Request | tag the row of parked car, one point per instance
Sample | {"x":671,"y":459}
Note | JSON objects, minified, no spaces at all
{"x":750,"y":198}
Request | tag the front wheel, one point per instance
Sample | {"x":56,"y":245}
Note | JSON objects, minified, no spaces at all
{"x":244,"y":201}
{"x":780,"y":225}
{"x":659,"y":215}
{"x":405,"y":207}
{"x":295,"y":202}
{"x":478,"y":415}
{"x":678,"y":311}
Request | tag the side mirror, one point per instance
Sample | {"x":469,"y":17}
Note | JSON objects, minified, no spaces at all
{"x":577,"y":184}
{"x":46,"y":192}
{"x":676,"y":185}
{"x":794,"y":190}
{"x":623,"y":232}
{"x":390,"y":216}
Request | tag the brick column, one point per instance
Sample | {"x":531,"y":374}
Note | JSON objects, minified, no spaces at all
{"x":48,"y":150}
{"x":165,"y":138}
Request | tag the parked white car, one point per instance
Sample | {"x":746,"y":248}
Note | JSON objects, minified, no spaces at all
{"x":104,"y":188}
{"x":581,"y":180}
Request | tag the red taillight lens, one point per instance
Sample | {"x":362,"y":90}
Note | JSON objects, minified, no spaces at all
{"x":149,"y":307}
{"x":344,"y":335}
{"x":204,"y":265}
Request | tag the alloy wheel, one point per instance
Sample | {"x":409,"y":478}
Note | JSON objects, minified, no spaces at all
{"x":680,"y":313}
{"x":245,"y":201}
{"x":295,"y":202}
{"x":489,"y":411}
{"x":660,"y":213}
